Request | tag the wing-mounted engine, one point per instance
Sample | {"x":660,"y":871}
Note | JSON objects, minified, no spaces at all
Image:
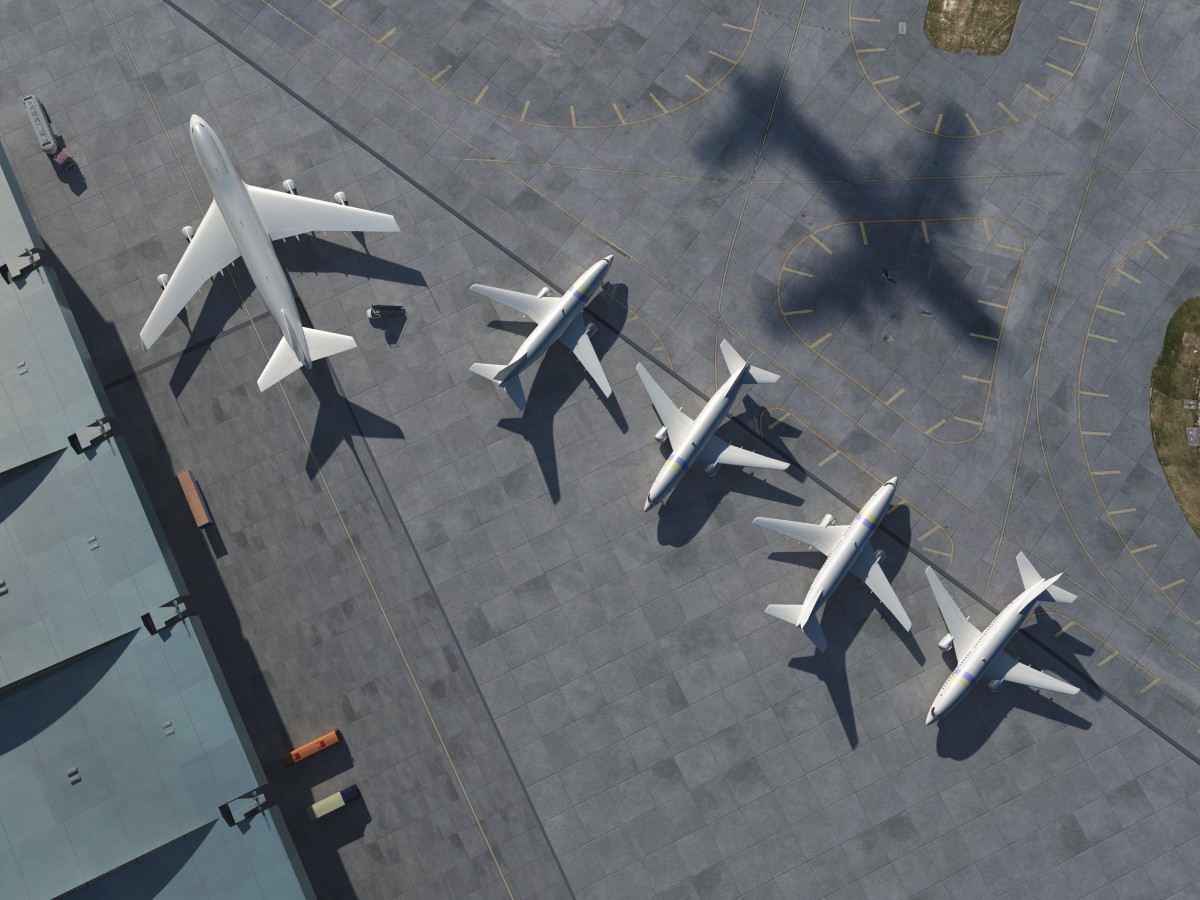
{"x":946,"y":643}
{"x":661,"y":434}
{"x":995,"y":684}
{"x":711,"y":469}
{"x":828,"y":520}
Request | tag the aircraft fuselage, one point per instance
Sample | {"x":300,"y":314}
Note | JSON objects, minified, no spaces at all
{"x":855,"y":540}
{"x":569,"y":309}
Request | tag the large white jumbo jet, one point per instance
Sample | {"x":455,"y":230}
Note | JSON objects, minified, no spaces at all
{"x":848,"y":548}
{"x":558,"y":319}
{"x":242,"y":221}
{"x":695,"y":441}
{"x":981,"y":653}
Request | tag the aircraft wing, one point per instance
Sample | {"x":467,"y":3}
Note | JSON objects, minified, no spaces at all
{"x":286,"y":215}
{"x":675,"y":420}
{"x":820,"y":537}
{"x":867,"y":569}
{"x":576,"y":338}
{"x":1005,"y":668}
{"x":725,"y":454}
{"x":963,"y":632}
{"x":531,"y":305}
{"x":210,"y":250}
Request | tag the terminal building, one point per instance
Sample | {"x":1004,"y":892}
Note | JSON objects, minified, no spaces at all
{"x":124,"y":766}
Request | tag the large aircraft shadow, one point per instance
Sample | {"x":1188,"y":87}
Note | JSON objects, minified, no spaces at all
{"x":847,"y":611}
{"x":311,"y":253}
{"x":1064,"y":646}
{"x":558,"y":374}
{"x":793,"y":136}
{"x":215,"y":309}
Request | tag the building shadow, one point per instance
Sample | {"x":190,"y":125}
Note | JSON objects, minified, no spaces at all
{"x":558,"y":376}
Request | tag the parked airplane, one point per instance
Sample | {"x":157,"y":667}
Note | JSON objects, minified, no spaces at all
{"x":242,"y":221}
{"x":848,"y":548}
{"x":558,"y":318}
{"x":694,"y":441}
{"x":981,"y":654}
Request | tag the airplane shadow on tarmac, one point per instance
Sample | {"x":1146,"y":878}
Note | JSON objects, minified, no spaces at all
{"x":847,"y":611}
{"x":557,"y":376}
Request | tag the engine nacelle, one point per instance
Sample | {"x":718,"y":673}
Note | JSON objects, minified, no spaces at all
{"x":289,"y":186}
{"x":188,"y":233}
{"x":995,"y":684}
{"x":711,"y":469}
{"x":591,"y":329}
{"x":661,"y":434}
{"x":880,"y":556}
{"x":341,"y":198}
{"x":946,"y":643}
{"x":828,"y":520}
{"x":543,"y":292}
{"x":162,"y":280}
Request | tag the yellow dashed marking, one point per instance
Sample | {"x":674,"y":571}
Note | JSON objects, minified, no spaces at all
{"x":617,"y":110}
{"x":977,"y":379}
{"x":871,"y":49}
{"x":1102,"y":337}
{"x":525,"y":110}
{"x":864,"y":19}
{"x":1155,"y":681}
{"x":887,"y":80}
{"x":696,"y":83}
{"x":893,"y":398}
{"x":797,"y":312}
{"x":1070,"y":40}
{"x":935,"y":426}
{"x":832,"y":456}
{"x":443,"y":71}
{"x":335,"y":4}
{"x":993,"y":304}
{"x":925,"y":231}
{"x":1143,"y":549}
{"x":820,"y":243}
{"x":822,"y":339}
{"x":799,"y":272}
{"x":1109,"y":309}
{"x":937,"y":125}
{"x":987,"y":229}
{"x":1009,"y":247}
{"x":1008,"y":112}
{"x":483,"y":93}
{"x":1108,"y":659}
{"x":862,"y":230}
{"x":1064,"y":629}
{"x":1066,"y":72}
{"x":1096,"y":433}
{"x":1176,"y":583}
{"x":732,"y":62}
{"x":967,"y":421}
{"x":971,"y":122}
{"x":985,"y":337}
{"x":937,"y":552}
{"x":1153,"y":246}
{"x":571,"y":111}
{"x":1121,"y":271}
{"x":387,"y":34}
{"x":657,"y":102}
{"x":1121,"y":512}
{"x":738,"y":27}
{"x":1084,"y":6}
{"x":909,"y":108}
{"x":1029,"y":87}
{"x":929,"y":532}
{"x":1099,"y":472}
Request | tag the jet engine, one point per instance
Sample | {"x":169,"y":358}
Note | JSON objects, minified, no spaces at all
{"x":661,"y":434}
{"x":946,"y":643}
{"x":995,"y":684}
{"x":340,"y":197}
{"x":711,"y":469}
{"x":188,"y":233}
{"x":828,"y":520}
{"x":290,"y":186}
{"x":591,"y":329}
{"x":543,"y":292}
{"x":162,"y":280}
{"x":880,"y":556}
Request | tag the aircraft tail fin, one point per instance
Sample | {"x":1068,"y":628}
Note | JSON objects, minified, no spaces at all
{"x":735,"y":364}
{"x":503,"y":376}
{"x":1030,"y":578}
{"x":795,"y":614}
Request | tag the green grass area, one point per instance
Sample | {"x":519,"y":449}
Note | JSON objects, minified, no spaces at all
{"x":983,"y":26}
{"x":1176,"y":378}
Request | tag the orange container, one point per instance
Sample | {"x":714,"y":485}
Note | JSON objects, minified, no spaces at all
{"x":195,"y":499}
{"x":312,"y":747}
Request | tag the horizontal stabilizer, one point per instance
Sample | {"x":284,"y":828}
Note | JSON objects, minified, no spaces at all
{"x":283,"y":362}
{"x":325,"y":343}
{"x":795,"y":614}
{"x":735,"y":364}
{"x":1030,"y":578}
{"x":503,"y":376}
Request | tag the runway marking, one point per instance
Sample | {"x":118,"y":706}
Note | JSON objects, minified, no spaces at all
{"x":967,"y":421}
{"x":525,"y":110}
{"x":1121,"y":271}
{"x":985,"y":337}
{"x":1153,"y":246}
{"x":929,"y":532}
{"x":1064,"y":629}
{"x":832,"y":456}
{"x":732,"y":62}
{"x":864,"y":19}
{"x":1012,"y":115}
{"x":937,"y":126}
{"x":1085,"y":6}
{"x":797,"y":312}
{"x":993,"y":304}
{"x":820,"y":243}
{"x":1123,"y":511}
{"x":696,"y":83}
{"x":871,"y":49}
{"x":971,"y":122}
{"x":1102,"y":396}
{"x":799,"y":272}
{"x":938,"y":552}
{"x":1071,"y":40}
{"x":887,"y":80}
{"x":1155,"y":681}
{"x":977,"y":379}
{"x":1098,"y":434}
{"x":737,"y":27}
{"x":657,"y":102}
{"x":908,"y":108}
{"x":334,"y":5}
{"x":1109,"y":309}
{"x":387,"y":34}
{"x":482,"y":93}
{"x":862,"y":231}
{"x":1067,"y":72}
{"x":822,"y":339}
{"x":1142,"y":549}
{"x":1102,"y":337}
{"x":1036,"y":92}
{"x":1108,"y":659}
{"x":1176,"y":583}
{"x":1100,"y":472}
{"x":925,"y":230}
{"x":1010,"y":248}
{"x":571,"y":112}
{"x":443,"y":71}
{"x":987,"y":229}
{"x":935,"y":426}
{"x":894,"y":397}
{"x":617,"y":110}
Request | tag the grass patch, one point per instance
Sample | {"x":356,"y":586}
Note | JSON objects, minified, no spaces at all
{"x":1176,"y":378}
{"x":984,"y":26}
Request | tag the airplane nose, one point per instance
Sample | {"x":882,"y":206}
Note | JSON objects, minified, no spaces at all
{"x":892,"y":481}
{"x":608,"y":258}
{"x":931,"y":718}
{"x":649,"y":504}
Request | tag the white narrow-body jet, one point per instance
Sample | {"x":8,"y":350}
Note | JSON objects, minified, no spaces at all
{"x":558,"y":319}
{"x":242,"y":221}
{"x":694,"y":441}
{"x":848,"y":549}
{"x":981,"y":654}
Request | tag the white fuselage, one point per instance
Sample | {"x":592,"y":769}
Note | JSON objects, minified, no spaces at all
{"x":703,"y":428}
{"x":855,"y":539}
{"x":974,"y":659}
{"x":241,"y":218}
{"x":569,"y":309}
